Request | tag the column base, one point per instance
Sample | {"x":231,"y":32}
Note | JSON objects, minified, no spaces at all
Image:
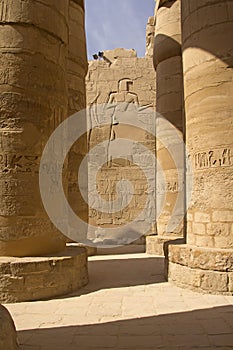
{"x":36,"y":278}
{"x":155,"y":245}
{"x":8,"y":338}
{"x":204,"y":270}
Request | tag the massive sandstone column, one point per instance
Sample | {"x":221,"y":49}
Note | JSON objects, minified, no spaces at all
{"x":8,"y":339}
{"x":33,"y":102}
{"x":76,"y":71}
{"x":205,"y":263}
{"x":169,"y":103}
{"x":77,"y":57}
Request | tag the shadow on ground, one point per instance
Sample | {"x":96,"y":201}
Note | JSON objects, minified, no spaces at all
{"x":201,"y":329}
{"x":122,"y":272}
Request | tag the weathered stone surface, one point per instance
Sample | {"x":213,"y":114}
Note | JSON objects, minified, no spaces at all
{"x":76,"y":69}
{"x":203,"y":269}
{"x":150,"y":33}
{"x":155,"y":245}
{"x":167,"y":31}
{"x":90,"y":250}
{"x":207,"y":59}
{"x":120,"y":77}
{"x":202,"y":258}
{"x":24,"y":279}
{"x":8,"y":337}
{"x":204,"y":281}
{"x":43,"y":66}
{"x":206,"y":262}
{"x":231,"y":281}
{"x":117,"y":53}
{"x":169,"y":103}
{"x":33,"y":102}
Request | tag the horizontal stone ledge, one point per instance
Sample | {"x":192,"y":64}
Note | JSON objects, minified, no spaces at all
{"x":157,"y":245}
{"x":37,"y":278}
{"x":201,"y":258}
{"x":202,"y":281}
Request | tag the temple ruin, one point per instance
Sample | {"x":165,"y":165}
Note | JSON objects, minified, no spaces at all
{"x":185,"y":77}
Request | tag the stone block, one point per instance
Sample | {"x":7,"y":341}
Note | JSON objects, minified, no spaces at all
{"x":204,"y":241}
{"x":189,"y":217}
{"x":218,"y":229}
{"x":202,"y":269}
{"x":159,"y":245}
{"x":154,"y":246}
{"x":202,"y":258}
{"x":222,"y":216}
{"x":224,"y":242}
{"x":202,"y":217}
{"x":199,"y":228}
{"x":230,"y":275}
{"x":43,"y":277}
{"x":213,"y":281}
{"x":202,"y":281}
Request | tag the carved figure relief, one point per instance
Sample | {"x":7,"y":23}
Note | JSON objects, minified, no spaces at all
{"x":124,"y":97}
{"x":108,"y":103}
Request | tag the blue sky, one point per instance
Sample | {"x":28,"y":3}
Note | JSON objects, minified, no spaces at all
{"x":117,"y":23}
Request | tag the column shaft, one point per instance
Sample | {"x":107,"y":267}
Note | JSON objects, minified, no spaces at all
{"x":33,"y":101}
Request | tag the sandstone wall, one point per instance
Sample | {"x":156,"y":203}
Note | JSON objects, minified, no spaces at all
{"x":121,"y":77}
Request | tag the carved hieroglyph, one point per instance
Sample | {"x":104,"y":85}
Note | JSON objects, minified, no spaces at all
{"x":208,"y":82}
{"x":125,"y":81}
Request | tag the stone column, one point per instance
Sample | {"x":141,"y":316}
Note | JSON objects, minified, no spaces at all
{"x":8,"y":339}
{"x":76,"y":71}
{"x":205,"y":263}
{"x":77,"y":57}
{"x":169,"y":104}
{"x":33,"y":102}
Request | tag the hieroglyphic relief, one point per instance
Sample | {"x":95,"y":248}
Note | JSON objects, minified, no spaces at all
{"x":3,"y":11}
{"x":19,"y":163}
{"x":122,"y":100}
{"x":77,"y":102}
{"x":124,"y":90}
{"x":213,"y":158}
{"x":172,"y":186}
